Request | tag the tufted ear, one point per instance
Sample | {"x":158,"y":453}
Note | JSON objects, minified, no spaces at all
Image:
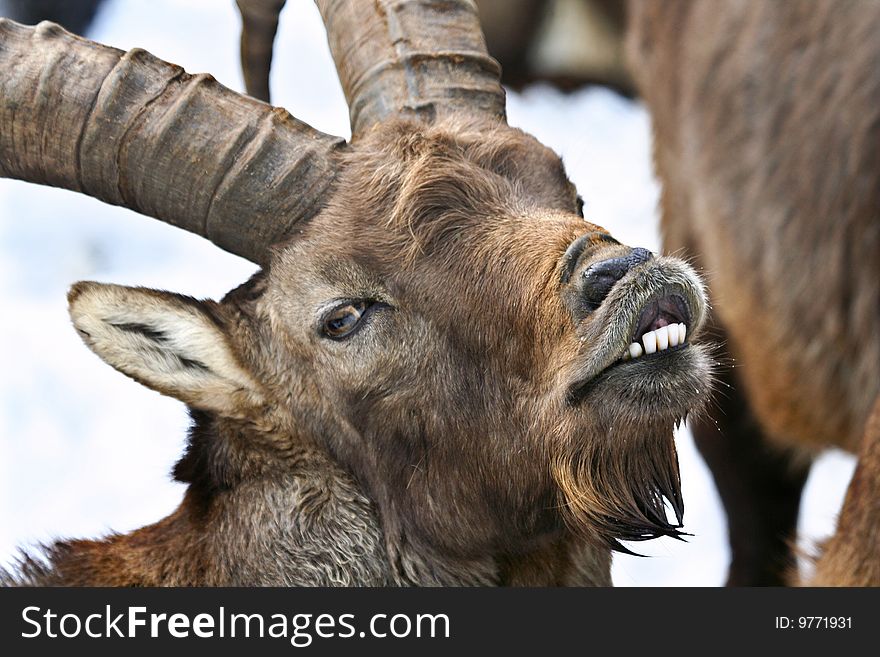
{"x":168,"y":342}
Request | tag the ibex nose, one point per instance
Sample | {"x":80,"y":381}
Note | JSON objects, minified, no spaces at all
{"x":599,"y":278}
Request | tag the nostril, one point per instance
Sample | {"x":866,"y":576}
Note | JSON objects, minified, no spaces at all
{"x":599,"y":278}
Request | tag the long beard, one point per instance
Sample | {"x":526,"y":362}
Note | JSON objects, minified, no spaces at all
{"x":618,"y":485}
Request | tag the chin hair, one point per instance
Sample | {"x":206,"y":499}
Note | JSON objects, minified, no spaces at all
{"x":618,"y":481}
{"x":617,"y":488}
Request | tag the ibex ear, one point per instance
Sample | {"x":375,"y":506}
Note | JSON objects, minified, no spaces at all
{"x":170,"y":343}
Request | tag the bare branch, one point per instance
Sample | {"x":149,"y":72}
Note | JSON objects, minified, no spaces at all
{"x":135,"y":131}
{"x":419,"y":58}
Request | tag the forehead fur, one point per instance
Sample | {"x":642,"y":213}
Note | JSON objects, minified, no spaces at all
{"x":429,"y":183}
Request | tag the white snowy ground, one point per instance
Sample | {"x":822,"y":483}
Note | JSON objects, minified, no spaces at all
{"x":84,"y":450}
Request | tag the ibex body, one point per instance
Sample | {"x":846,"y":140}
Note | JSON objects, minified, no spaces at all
{"x":767,"y":121}
{"x":424,"y":384}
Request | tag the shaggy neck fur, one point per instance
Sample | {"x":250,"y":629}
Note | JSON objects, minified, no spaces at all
{"x":253,"y":523}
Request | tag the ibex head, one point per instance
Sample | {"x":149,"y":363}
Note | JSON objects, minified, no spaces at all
{"x":433,"y":313}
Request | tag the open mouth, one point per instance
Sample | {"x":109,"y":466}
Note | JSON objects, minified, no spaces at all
{"x":650,"y":338}
{"x":662,"y":325}
{"x":639,"y":336}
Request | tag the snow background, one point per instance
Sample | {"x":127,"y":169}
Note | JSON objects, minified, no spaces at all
{"x":84,"y":450}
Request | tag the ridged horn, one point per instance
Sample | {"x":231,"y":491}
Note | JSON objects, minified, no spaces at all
{"x":420,"y":58}
{"x":132,"y":130}
{"x":259,"y":23}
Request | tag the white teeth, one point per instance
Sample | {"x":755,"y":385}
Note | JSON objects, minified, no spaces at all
{"x":662,"y":338}
{"x":659,"y":339}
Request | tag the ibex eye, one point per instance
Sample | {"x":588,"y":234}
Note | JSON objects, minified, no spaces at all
{"x":343,"y":319}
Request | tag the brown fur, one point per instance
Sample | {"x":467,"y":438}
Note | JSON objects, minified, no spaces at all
{"x":766,"y":126}
{"x":852,"y":556}
{"x":773,"y":105}
{"x":470,"y":432}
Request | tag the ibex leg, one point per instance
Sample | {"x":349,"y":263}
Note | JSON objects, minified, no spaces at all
{"x":760,"y":483}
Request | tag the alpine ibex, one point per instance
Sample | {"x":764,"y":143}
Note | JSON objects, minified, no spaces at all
{"x":437,"y":377}
{"x":743,"y":160}
{"x":767,"y":125}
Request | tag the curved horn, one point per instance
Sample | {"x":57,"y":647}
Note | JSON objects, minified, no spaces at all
{"x":135,"y":131}
{"x":259,"y":23}
{"x":421,"y":58}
